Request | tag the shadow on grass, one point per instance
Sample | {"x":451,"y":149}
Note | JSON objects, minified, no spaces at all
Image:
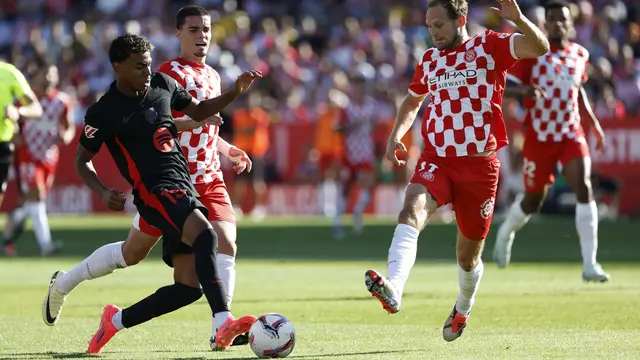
{"x":331,"y":355}
{"x":552,"y":240}
{"x":48,"y":355}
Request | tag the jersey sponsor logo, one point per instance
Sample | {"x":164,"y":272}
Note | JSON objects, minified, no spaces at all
{"x":163,"y":140}
{"x":90,"y":131}
{"x":486,"y":209}
{"x":453,"y":79}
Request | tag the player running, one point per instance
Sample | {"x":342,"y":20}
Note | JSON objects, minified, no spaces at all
{"x":134,"y":120}
{"x":13,"y":86}
{"x":462,"y":129}
{"x":359,"y":157}
{"x":37,"y":157}
{"x":552,"y":85}
{"x":202,"y":146}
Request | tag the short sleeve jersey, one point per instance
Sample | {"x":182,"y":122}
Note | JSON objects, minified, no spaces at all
{"x":141,"y":134}
{"x":560,"y":73}
{"x":42,"y":136}
{"x":199,"y":145}
{"x":13,"y":86}
{"x":466,"y":86}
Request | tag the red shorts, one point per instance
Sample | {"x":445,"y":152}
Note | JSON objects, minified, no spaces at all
{"x":357,"y":167}
{"x":541,"y":158}
{"x":469,"y":183}
{"x":328,"y":161}
{"x":213,"y":195}
{"x":35,"y":173}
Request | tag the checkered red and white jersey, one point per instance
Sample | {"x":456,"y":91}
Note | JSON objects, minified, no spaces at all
{"x":361,"y":119}
{"x":42,"y":135}
{"x":560,"y":73}
{"x":199,"y":145}
{"x":466,"y":84}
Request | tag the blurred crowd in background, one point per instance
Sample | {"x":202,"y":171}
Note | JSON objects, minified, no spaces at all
{"x":310,"y":50}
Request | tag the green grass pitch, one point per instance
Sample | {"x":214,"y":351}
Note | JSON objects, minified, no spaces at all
{"x":537,"y":309}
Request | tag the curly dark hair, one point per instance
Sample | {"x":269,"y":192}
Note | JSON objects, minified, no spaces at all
{"x":127,"y":44}
{"x":455,"y":8}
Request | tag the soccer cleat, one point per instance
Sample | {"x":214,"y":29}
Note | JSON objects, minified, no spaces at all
{"x":231,"y":329}
{"x":383,"y":290}
{"x":502,"y":247}
{"x":240,"y":340}
{"x":106,"y":330}
{"x":454,"y":326}
{"x":53,"y":302}
{"x":594,"y":273}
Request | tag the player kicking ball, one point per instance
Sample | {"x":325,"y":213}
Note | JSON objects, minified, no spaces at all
{"x":134,"y":120}
{"x":462,"y":128}
{"x":554,"y":97}
{"x":202,"y":147}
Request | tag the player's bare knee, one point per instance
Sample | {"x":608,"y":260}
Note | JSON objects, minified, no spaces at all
{"x":226,"y":245}
{"x":34,"y":194}
{"x":137,"y":246}
{"x":195,"y":224}
{"x":132,"y":254}
{"x":584,"y":192}
{"x":469,"y":252}
{"x":532,"y":203}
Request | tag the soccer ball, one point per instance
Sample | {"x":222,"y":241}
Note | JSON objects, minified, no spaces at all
{"x":272,"y":336}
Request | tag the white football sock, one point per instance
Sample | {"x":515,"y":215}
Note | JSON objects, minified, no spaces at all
{"x":227,"y":270}
{"x":516,"y":218}
{"x":116,"y":319}
{"x":402,"y":255}
{"x":363,"y":200}
{"x":469,"y":282}
{"x":38,"y":213}
{"x":587,"y":226}
{"x":219,"y":319}
{"x":17,"y":216}
{"x":101,"y":262}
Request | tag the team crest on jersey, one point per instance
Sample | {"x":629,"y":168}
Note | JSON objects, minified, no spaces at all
{"x":427,"y":175}
{"x":470,"y":55}
{"x":90,"y":131}
{"x":486,"y":209}
{"x":151,"y":114}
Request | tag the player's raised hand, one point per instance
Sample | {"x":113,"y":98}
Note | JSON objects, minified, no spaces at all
{"x":535,"y":92}
{"x":213,"y":120}
{"x":241,"y":160}
{"x":600,"y":138}
{"x":11,"y":112}
{"x":114,"y":199}
{"x":509,"y":10}
{"x":244,"y":81}
{"x":392,"y":147}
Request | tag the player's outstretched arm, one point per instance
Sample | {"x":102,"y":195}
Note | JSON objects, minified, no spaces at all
{"x":404,"y":119}
{"x":201,"y":110}
{"x":532,"y":43}
{"x":238,"y":156}
{"x":590,"y":119}
{"x":114,"y":199}
{"x":29,"y":105}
